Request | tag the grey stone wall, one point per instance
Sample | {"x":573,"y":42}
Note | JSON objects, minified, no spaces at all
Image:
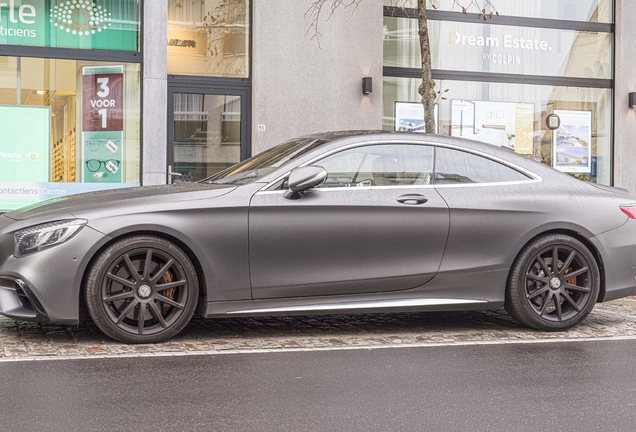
{"x":301,"y":87}
{"x":155,"y":92}
{"x":625,"y":117}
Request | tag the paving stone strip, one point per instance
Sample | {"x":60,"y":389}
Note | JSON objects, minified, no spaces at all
{"x":22,"y":340}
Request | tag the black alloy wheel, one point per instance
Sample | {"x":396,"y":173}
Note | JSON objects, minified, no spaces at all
{"x":142,"y":289}
{"x":554,"y":283}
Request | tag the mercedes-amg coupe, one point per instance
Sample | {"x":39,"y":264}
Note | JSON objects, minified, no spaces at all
{"x":343,"y":222}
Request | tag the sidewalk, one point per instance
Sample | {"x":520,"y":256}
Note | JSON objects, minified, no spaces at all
{"x":33,"y":341}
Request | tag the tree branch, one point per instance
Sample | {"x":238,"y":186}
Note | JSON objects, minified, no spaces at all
{"x":316,"y":10}
{"x":485,"y":8}
{"x":427,"y":88}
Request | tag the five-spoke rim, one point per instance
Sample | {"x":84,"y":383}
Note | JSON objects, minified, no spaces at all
{"x":558,"y":283}
{"x":144,"y":291}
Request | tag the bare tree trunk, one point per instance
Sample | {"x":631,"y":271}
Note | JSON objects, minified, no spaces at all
{"x":427,"y":88}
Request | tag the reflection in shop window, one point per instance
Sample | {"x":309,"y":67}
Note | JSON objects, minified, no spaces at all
{"x":208,"y":37}
{"x":207,"y":134}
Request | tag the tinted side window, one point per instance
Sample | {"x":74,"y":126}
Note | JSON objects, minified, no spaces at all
{"x":379,"y":165}
{"x":454,"y":166}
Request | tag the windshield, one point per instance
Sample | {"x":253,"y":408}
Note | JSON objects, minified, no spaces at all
{"x":256,"y":167}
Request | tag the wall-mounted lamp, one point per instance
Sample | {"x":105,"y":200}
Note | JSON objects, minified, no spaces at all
{"x":632,"y":100}
{"x":367,"y":85}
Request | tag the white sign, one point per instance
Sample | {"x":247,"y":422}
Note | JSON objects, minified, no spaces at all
{"x":110,"y":145}
{"x":409,"y":117}
{"x":572,"y":142}
{"x":509,"y":41}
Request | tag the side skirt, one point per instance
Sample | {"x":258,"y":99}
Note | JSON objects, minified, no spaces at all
{"x":322,"y":306}
{"x":446,"y":292}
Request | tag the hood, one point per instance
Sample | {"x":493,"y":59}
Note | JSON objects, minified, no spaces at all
{"x":71,"y":204}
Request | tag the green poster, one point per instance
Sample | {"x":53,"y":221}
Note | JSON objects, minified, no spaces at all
{"x":85,"y":24}
{"x":102,"y":157}
{"x":25,"y":143}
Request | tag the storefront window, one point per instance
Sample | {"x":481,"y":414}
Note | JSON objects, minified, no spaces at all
{"x":208,"y":38}
{"x":580,"y":10}
{"x":481,"y":47}
{"x":514,"y":116}
{"x":207,"y":134}
{"x":84,"y":24}
{"x":523,"y":80}
{"x":68,"y":126}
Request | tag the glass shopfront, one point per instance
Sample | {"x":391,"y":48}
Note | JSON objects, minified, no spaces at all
{"x":68,"y":125}
{"x":542,"y":89}
{"x":209,"y":86}
{"x":208,"y":38}
{"x":207,"y":134}
{"x":476,"y":47}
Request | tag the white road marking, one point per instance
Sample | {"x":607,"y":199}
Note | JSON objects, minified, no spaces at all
{"x":339,"y":348}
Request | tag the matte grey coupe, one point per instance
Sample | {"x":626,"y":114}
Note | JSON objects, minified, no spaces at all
{"x":347,"y":222}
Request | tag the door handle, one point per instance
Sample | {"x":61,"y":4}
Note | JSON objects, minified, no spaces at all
{"x":412,"y":199}
{"x":172,"y":174}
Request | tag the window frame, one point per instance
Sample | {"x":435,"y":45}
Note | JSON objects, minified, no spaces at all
{"x":503,"y":78}
{"x":274,"y":185}
{"x":241,"y":86}
{"x":388,"y":143}
{"x":477,"y":183}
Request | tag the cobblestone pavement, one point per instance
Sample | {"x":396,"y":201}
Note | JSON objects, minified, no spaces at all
{"x":24,"y":341}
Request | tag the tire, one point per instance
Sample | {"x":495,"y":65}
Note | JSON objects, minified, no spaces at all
{"x":145,"y":276}
{"x":545,"y":299}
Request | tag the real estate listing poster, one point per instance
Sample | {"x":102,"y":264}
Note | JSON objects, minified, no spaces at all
{"x":572,"y":142}
{"x":409,"y":117}
{"x":504,"y":124}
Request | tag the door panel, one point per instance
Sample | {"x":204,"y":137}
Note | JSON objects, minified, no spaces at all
{"x":345,"y":241}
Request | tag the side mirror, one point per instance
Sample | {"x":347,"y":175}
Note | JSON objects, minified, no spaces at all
{"x":303,"y":178}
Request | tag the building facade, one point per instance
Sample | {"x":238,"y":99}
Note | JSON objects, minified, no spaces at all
{"x":99,"y":94}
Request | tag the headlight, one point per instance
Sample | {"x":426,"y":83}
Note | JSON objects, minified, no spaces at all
{"x":44,"y":236}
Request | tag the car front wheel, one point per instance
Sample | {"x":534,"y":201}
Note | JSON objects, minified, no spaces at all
{"x":141,"y":289}
{"x":554,"y":283}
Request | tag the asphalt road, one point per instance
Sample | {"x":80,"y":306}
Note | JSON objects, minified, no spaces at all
{"x":558,"y":386}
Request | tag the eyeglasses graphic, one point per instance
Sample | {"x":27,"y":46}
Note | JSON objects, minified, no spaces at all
{"x":95,"y":143}
{"x":94,"y":165}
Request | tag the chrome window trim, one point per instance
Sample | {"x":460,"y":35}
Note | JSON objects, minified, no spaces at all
{"x":534,"y":178}
{"x":342,"y":188}
{"x":508,"y":183}
{"x":456,"y":185}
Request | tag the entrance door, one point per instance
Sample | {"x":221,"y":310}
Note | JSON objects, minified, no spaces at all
{"x":208,"y":131}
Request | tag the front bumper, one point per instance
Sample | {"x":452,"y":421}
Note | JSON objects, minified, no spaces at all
{"x":17,"y":301}
{"x":44,"y":286}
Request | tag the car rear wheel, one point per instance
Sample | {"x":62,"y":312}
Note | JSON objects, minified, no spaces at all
{"x":141,"y":289}
{"x":554,"y":283}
